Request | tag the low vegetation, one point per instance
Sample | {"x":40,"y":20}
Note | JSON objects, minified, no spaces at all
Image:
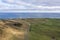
{"x":40,"y":29}
{"x":12,"y":29}
{"x":44,"y":29}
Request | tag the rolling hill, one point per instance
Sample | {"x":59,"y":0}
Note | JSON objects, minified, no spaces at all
{"x":13,"y":29}
{"x":44,"y":29}
{"x":39,"y":29}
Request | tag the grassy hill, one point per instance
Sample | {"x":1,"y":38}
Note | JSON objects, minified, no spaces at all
{"x":44,"y":29}
{"x":40,"y":29}
{"x":13,"y":29}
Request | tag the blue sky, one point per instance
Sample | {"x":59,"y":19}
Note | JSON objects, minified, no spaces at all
{"x":29,"y":15}
{"x":30,"y":4}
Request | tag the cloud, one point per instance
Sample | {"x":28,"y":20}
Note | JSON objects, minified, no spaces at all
{"x":44,"y":5}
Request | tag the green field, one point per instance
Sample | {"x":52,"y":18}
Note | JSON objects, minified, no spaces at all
{"x":44,"y":29}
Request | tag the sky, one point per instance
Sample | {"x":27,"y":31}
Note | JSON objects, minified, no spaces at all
{"x":39,"y":5}
{"x":29,"y":15}
{"x":9,"y":7}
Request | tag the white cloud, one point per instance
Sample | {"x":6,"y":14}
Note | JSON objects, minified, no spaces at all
{"x":19,"y":4}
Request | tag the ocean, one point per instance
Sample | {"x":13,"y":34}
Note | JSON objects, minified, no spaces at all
{"x":29,"y":15}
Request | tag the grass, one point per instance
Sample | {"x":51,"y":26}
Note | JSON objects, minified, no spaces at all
{"x":15,"y":38}
{"x":44,"y":29}
{"x":12,"y":30}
